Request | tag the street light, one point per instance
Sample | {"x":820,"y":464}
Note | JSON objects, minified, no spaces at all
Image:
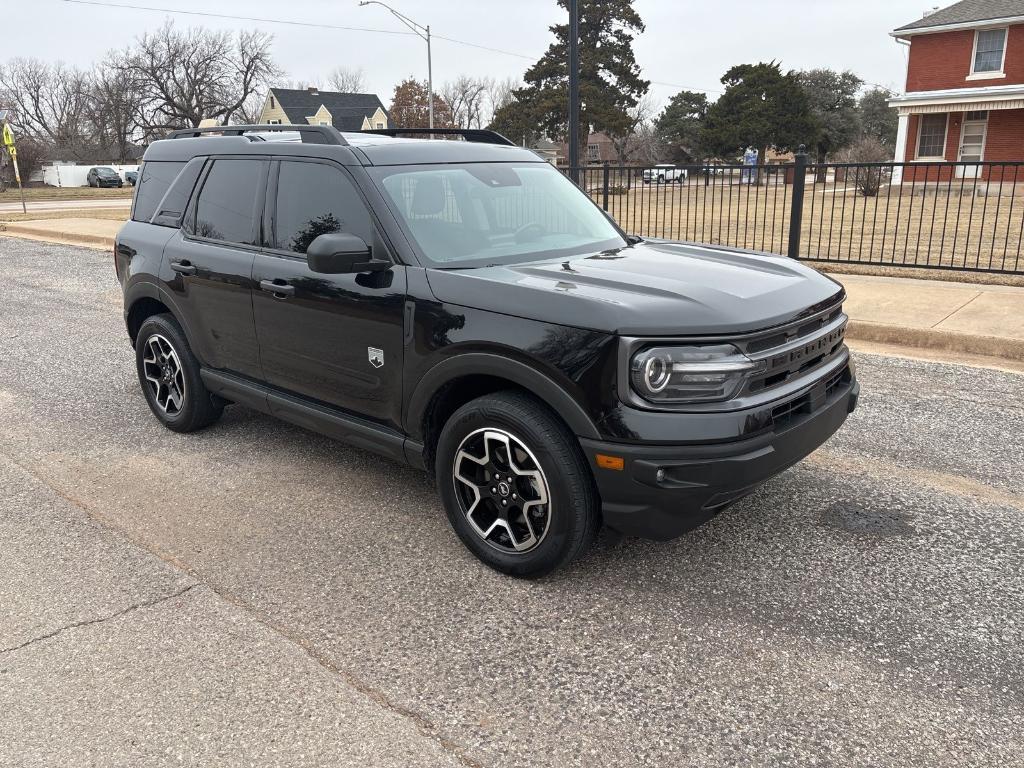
{"x":423,"y":32}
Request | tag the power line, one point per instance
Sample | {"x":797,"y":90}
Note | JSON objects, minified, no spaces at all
{"x":237,"y":18}
{"x":318,"y":25}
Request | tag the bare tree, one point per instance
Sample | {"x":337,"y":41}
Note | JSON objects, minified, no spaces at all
{"x":184,"y":77}
{"x":467,"y":97}
{"x":500,"y":93}
{"x":251,"y":109}
{"x":114,"y":112}
{"x":346,"y":80}
{"x":639,"y":116}
{"x":51,"y":103}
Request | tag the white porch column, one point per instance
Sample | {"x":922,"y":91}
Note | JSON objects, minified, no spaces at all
{"x":901,"y":146}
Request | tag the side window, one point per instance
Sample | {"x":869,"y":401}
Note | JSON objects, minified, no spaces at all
{"x":314,"y":199}
{"x":172,"y":208}
{"x":226,"y":209}
{"x":154,"y":181}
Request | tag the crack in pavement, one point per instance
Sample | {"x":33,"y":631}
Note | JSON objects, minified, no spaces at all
{"x":423,"y":724}
{"x":101,"y":619}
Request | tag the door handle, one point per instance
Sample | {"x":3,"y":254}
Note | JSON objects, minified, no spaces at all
{"x":183,"y":267}
{"x":278,"y":287}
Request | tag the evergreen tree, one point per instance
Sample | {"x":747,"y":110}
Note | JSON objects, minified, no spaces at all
{"x":678,"y":126}
{"x":610,"y":82}
{"x":833,"y":100}
{"x":877,"y":119}
{"x":762,"y":107}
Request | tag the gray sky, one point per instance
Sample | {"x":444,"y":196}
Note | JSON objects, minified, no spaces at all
{"x":687,"y":44}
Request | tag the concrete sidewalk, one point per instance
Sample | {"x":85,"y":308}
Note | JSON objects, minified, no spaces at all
{"x":969,"y":318}
{"x":962,"y":318}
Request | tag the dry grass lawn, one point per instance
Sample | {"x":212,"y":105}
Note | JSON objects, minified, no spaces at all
{"x":934,"y":227}
{"x":114,"y":214}
{"x":11,"y":194}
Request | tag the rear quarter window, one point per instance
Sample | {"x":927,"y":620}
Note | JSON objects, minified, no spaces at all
{"x":155,"y":178}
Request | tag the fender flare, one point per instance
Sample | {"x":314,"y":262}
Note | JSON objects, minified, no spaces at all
{"x":145,"y":289}
{"x":487,"y":364}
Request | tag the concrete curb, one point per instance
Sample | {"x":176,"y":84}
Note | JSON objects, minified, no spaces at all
{"x":94,"y":242}
{"x":926,"y":338}
{"x":15,"y":229}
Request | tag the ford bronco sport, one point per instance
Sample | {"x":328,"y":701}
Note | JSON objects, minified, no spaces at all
{"x":463,"y":307}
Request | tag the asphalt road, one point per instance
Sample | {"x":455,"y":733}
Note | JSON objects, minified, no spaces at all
{"x":865,"y":608}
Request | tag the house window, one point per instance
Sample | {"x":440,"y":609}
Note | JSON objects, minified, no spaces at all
{"x":380,"y":125}
{"x":322,"y":122}
{"x":594,"y":152}
{"x":931,"y":136}
{"x":272,"y":102}
{"x":989,"y":48}
{"x":274,"y":122}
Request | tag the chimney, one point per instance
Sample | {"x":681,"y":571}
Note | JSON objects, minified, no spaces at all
{"x":313,"y":91}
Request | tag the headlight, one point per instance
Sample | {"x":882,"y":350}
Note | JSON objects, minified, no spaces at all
{"x":691,"y":374}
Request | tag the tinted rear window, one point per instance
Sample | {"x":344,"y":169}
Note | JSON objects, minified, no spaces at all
{"x":226,"y":209}
{"x":153,"y":183}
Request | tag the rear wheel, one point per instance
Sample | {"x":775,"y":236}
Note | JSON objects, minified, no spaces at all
{"x":515,"y":485}
{"x":169,"y":375}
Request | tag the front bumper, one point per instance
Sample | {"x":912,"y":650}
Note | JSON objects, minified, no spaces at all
{"x":698,"y":481}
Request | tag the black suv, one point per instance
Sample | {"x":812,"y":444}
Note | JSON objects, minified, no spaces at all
{"x":463,"y":307}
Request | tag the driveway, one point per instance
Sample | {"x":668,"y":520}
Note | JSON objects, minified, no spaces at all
{"x":258,"y":594}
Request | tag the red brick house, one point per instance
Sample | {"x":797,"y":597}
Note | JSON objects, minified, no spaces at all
{"x":964,"y":98}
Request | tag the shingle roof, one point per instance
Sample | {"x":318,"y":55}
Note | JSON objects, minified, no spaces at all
{"x":968,"y":12}
{"x":347,"y":109}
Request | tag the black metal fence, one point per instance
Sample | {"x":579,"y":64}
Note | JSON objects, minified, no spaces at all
{"x":932,"y":215}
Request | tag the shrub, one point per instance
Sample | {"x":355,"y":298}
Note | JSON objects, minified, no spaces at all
{"x":868,"y":179}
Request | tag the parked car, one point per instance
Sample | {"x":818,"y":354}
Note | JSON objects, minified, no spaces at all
{"x":131,"y":177}
{"x":462,"y":307}
{"x":101,"y":176}
{"x":661,"y":174}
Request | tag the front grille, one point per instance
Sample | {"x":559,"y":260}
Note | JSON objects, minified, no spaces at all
{"x":796,"y":351}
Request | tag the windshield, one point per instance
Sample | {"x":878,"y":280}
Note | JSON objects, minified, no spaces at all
{"x":476,"y":214}
{"x":105,"y":172}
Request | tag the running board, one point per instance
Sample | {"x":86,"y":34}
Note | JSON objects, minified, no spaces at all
{"x":332,"y":422}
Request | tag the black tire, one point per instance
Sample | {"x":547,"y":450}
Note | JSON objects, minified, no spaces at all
{"x":570,"y":518}
{"x":196,"y":407}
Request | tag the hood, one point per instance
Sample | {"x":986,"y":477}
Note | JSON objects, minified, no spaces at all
{"x":652,"y":288}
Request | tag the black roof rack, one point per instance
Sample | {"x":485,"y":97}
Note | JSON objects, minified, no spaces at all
{"x":479,"y":135}
{"x":310,"y":134}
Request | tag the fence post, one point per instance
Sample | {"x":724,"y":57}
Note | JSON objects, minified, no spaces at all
{"x":796,"y":211}
{"x":604,"y":187}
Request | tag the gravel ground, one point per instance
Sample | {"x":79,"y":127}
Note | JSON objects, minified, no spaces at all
{"x":862,"y":609}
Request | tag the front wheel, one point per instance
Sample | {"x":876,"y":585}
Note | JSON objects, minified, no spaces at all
{"x":515,"y":485}
{"x":169,"y":375}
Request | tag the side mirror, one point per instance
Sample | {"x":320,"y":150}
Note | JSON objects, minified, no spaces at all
{"x":340,"y":253}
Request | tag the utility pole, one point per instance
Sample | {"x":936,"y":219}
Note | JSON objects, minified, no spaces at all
{"x":424,"y":33}
{"x":574,"y":90}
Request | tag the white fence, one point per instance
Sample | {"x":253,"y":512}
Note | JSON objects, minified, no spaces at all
{"x":59,"y":175}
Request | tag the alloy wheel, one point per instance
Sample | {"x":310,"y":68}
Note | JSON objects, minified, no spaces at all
{"x":502,"y":490}
{"x":162,"y":369}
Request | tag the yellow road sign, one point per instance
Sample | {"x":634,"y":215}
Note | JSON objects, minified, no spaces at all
{"x":8,"y":136}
